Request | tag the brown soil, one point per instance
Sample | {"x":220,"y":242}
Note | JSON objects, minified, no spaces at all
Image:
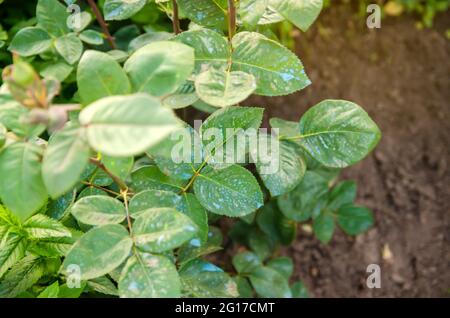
{"x":400,"y":75}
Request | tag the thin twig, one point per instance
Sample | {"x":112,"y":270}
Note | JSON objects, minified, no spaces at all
{"x":175,"y":18}
{"x":89,"y":184}
{"x":231,"y":19}
{"x":125,"y":201}
{"x":122,"y":185}
{"x":102,"y":23}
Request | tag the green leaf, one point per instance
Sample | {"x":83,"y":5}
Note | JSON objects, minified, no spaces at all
{"x":229,"y":126}
{"x":148,"y":38}
{"x":208,"y":13}
{"x":261,"y":244}
{"x":21,"y":187}
{"x":245,"y":290}
{"x":99,"y":251}
{"x":91,"y":37}
{"x":159,"y":68}
{"x":99,"y":75}
{"x":119,"y":166}
{"x":283,"y":265}
{"x":12,"y":115}
{"x":12,"y":249}
{"x":279,"y":164}
{"x":67,"y":292}
{"x":127,"y":125}
{"x":98,"y":210}
{"x":302,"y":13}
{"x":195,"y":211}
{"x":299,"y":290}
{"x":232,"y":191}
{"x":58,"y":70}
{"x":52,"y":17}
{"x":251,"y":11}
{"x":306,"y":199}
{"x":65,"y":159}
{"x":3,"y":132}
{"x":51,"y":291}
{"x":122,"y":9}
{"x":41,"y":226}
{"x":338,"y":133}
{"x":275,"y":225}
{"x":149,"y":276}
{"x":163,"y":229}
{"x":354,"y":219}
{"x":268,"y":283}
{"x":22,"y":276}
{"x":103,"y":285}
{"x":151,"y":178}
{"x":323,"y":227}
{"x":246,"y":262}
{"x":211,"y":48}
{"x":277,"y":70}
{"x":196,"y":248}
{"x":54,"y":246}
{"x":30,"y":41}
{"x":224,"y":88}
{"x":205,"y":280}
{"x":342,"y":194}
{"x":69,"y":47}
{"x":150,"y":199}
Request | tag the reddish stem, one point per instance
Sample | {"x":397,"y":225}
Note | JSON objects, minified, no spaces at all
{"x":102,"y":23}
{"x":175,"y":18}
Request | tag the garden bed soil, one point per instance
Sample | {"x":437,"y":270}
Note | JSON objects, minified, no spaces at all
{"x":401,"y":76}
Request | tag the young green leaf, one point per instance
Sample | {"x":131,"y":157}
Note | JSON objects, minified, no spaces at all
{"x":150,"y":199}
{"x":70,"y":47}
{"x":354,"y":219}
{"x":151,"y":178}
{"x":224,"y":88}
{"x":232,"y":191}
{"x":99,"y":75}
{"x":149,"y":276}
{"x":12,"y":249}
{"x":269,"y":283}
{"x":98,"y":210}
{"x":99,"y":251}
{"x":323,"y":227}
{"x":51,"y":291}
{"x":302,"y":13}
{"x":30,"y":41}
{"x":122,"y":9}
{"x":159,"y":68}
{"x":21,"y":187}
{"x":127,"y":125}
{"x":163,"y":229}
{"x":65,"y":159}
{"x":338,"y":133}
{"x":52,"y":17}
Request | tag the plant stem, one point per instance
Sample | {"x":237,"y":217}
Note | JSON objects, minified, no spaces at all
{"x":102,"y":23}
{"x":89,"y":184}
{"x":231,"y":19}
{"x":175,"y":18}
{"x":125,"y":201}
{"x":122,"y":185}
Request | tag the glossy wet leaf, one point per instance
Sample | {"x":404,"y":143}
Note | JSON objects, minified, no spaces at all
{"x":99,"y":251}
{"x":149,"y":276}
{"x":91,"y":37}
{"x":122,"y":9}
{"x":205,"y":280}
{"x":21,"y":187}
{"x":277,"y":70}
{"x":98,"y":210}
{"x":151,"y":178}
{"x":150,"y":199}
{"x":195,"y":211}
{"x":159,"y":68}
{"x":127,"y":125}
{"x":354,"y":219}
{"x":30,"y":41}
{"x":232,"y":191}
{"x":65,"y":159}
{"x":158,"y":230}
{"x":223,"y":88}
{"x":338,"y":133}
{"x":99,"y":75}
{"x":208,"y":13}
{"x":251,"y":11}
